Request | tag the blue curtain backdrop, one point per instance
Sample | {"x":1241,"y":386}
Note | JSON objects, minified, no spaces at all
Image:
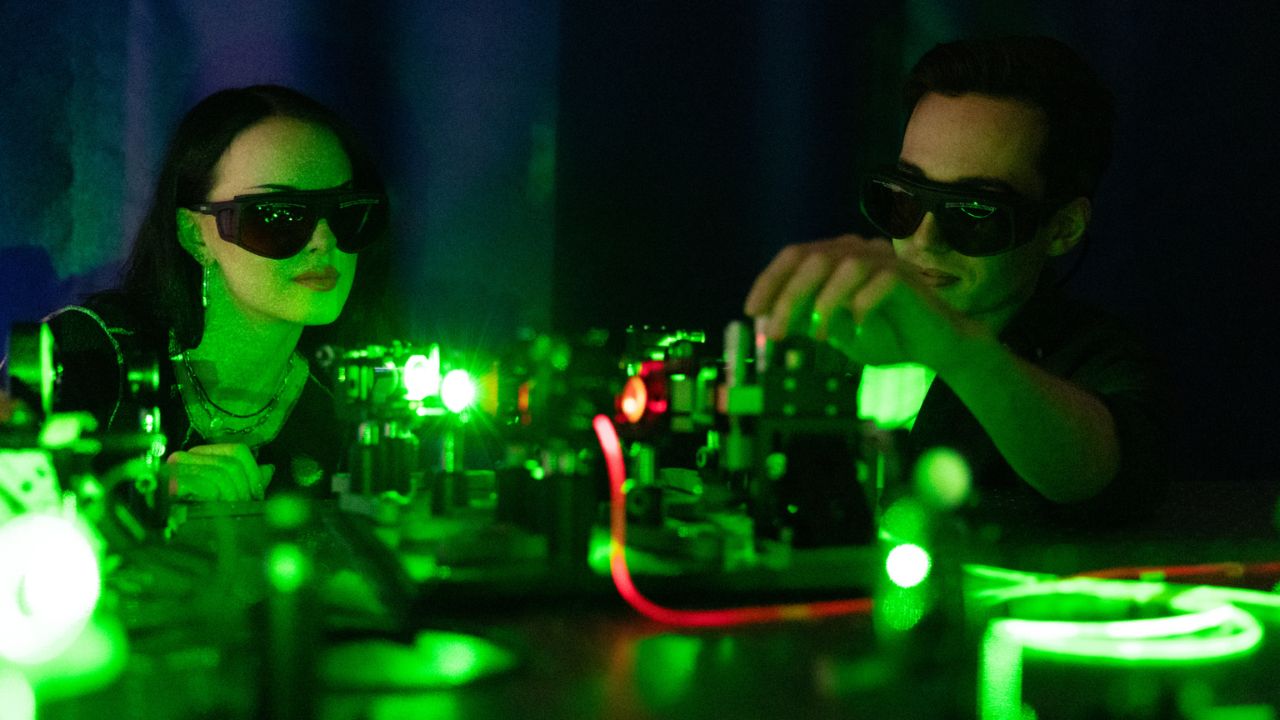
{"x":574,"y":163}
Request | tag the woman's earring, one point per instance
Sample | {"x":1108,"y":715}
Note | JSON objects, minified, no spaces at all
{"x":204,"y":286}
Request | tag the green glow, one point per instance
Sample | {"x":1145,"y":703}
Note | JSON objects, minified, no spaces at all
{"x":94,"y":661}
{"x":1209,"y":632}
{"x":899,"y":609}
{"x":457,"y":391}
{"x":999,"y":678}
{"x":665,"y":667}
{"x":287,"y":512}
{"x":942,"y":478}
{"x":457,"y":659}
{"x":435,"y":660}
{"x":286,"y":567}
{"x":422,"y":375}
{"x":17,"y":699}
{"x":535,"y":469}
{"x":1207,"y":624}
{"x":904,"y":521}
{"x":891,"y":395}
{"x":907,"y":565}
{"x":696,"y":336}
{"x":49,"y":586}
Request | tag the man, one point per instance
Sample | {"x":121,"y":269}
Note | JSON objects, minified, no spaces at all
{"x":1054,"y":406}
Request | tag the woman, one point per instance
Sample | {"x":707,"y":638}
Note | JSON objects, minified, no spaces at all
{"x":264,"y":200}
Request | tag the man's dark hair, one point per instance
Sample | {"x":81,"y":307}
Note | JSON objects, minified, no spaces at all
{"x":162,"y":281}
{"x":1044,"y":73}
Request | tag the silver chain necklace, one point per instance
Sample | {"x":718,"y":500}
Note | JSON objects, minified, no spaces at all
{"x":218,"y":415}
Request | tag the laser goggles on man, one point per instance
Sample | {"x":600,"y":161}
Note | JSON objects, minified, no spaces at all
{"x":279,"y":225}
{"x":972,"y":222}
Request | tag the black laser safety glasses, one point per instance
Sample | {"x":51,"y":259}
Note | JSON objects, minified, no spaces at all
{"x":279,"y":225}
{"x":972,"y":222}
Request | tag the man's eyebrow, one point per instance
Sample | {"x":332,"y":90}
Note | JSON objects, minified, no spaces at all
{"x":976,"y":182}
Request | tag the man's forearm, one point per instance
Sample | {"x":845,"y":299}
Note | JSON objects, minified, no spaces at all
{"x":1059,"y":438}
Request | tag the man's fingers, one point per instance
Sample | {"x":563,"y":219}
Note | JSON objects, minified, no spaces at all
{"x":770,"y":282}
{"x":793,"y":308}
{"x":872,"y":294}
{"x":845,"y":281}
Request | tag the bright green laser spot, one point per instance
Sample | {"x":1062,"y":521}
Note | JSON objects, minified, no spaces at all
{"x":17,"y":698}
{"x":422,"y":375}
{"x":286,"y":567}
{"x":907,"y":565}
{"x":455,"y":659}
{"x":457,"y":391}
{"x":535,"y":469}
{"x":49,"y":586}
{"x":942,"y":477}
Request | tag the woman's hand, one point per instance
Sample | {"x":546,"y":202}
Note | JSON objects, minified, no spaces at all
{"x":224,"y":471}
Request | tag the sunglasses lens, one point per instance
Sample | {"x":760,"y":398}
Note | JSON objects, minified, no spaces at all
{"x":276,"y":230}
{"x":891,"y":208}
{"x":976,"y":229}
{"x":355,"y":223}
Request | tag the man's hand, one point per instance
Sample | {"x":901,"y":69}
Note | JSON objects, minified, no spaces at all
{"x":225,"y":471}
{"x":855,"y":294}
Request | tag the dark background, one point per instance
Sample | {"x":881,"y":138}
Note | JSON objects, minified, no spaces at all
{"x":565,"y":164}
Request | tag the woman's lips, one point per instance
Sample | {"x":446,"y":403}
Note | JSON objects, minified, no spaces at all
{"x":322,"y":280}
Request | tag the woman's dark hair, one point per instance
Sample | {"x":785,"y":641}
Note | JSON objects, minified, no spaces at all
{"x":161,"y":281}
{"x":1044,"y":73}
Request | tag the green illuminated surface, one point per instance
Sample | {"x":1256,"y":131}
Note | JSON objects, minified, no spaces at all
{"x":1000,"y":678}
{"x":1203,"y":630}
{"x":907,"y":565}
{"x":435,"y":660}
{"x":49,"y":586}
{"x":457,"y":391}
{"x":1191,"y":626}
{"x":92,"y":662}
{"x":891,"y":395}
{"x":899,"y":609}
{"x":665,"y":668}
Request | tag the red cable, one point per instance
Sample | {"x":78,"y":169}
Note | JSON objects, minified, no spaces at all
{"x":612,"y":449}
{"x":1229,"y":570}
